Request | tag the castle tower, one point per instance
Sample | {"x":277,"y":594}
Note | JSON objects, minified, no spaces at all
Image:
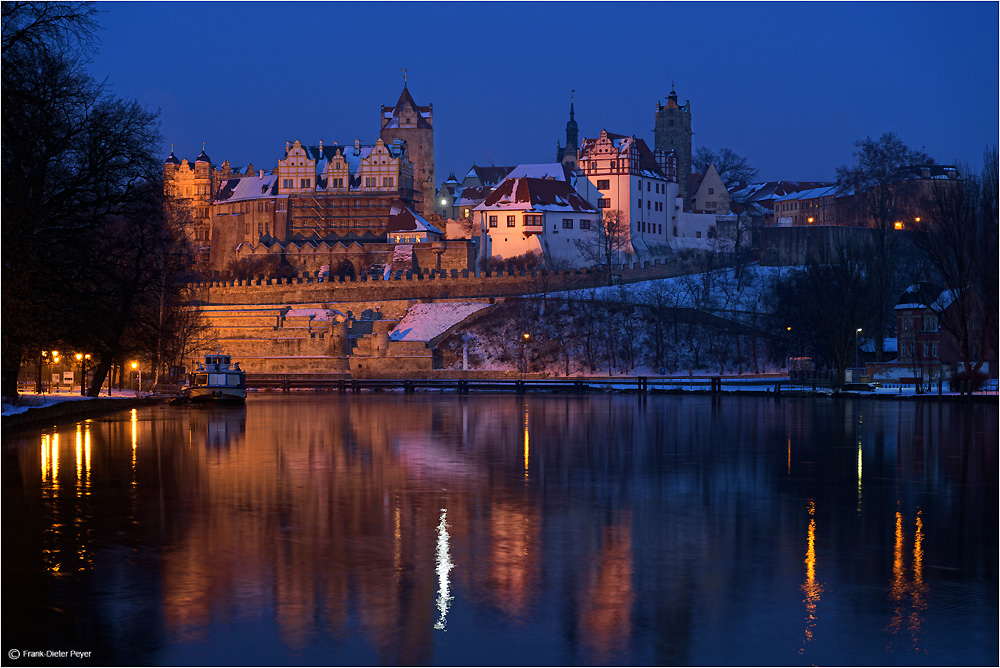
{"x":414,"y":125}
{"x":672,"y":132}
{"x":567,"y":155}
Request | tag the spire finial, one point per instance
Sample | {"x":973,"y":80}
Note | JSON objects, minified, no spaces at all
{"x":203,"y":147}
{"x":572,"y":93}
{"x":171,"y":149}
{"x":404,"y":77}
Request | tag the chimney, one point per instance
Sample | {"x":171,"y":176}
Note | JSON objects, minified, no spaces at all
{"x":320,"y":145}
{"x":261,"y":176}
{"x":357,"y":144}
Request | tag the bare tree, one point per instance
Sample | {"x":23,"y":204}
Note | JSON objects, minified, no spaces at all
{"x":75,"y":160}
{"x":732,"y":167}
{"x":881,"y":197}
{"x":608,"y":243}
{"x":960,"y":241}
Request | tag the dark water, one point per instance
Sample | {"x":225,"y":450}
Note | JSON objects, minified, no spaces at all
{"x":504,"y":530}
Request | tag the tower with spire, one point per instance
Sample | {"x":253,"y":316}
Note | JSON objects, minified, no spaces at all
{"x":567,"y":155}
{"x":672,"y":132}
{"x":408,"y":121}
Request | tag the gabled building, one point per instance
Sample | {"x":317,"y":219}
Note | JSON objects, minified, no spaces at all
{"x":708,"y":192}
{"x":620,"y":173}
{"x":529,"y":215}
{"x":408,"y":227}
{"x":473,"y":191}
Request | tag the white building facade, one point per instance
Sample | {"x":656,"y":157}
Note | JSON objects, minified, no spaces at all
{"x":547,"y":216}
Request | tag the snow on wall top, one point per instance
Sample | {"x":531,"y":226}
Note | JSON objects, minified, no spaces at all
{"x":423,"y":322}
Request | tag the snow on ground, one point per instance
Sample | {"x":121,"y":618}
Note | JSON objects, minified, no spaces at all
{"x":316,"y":313}
{"x":27,"y":401}
{"x":423,"y":322}
{"x":716,"y":290}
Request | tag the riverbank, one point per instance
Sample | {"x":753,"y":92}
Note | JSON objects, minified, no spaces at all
{"x":59,"y":408}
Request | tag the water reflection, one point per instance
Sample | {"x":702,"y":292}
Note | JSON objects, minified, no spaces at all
{"x":539,"y":530}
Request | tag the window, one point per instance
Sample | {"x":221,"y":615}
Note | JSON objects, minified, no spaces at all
{"x":511,"y":221}
{"x":697,"y":235}
{"x":649,"y":205}
{"x":260,"y":228}
{"x":585,"y":224}
{"x":260,"y":207}
{"x":613,"y":164}
{"x":248,"y":229}
{"x":711,"y":191}
{"x":532,"y":220}
{"x":493,"y":221}
{"x":603,"y":184}
{"x":930,"y":323}
{"x":640,"y":202}
{"x":306,"y":183}
{"x":640,"y":185}
{"x":370,"y":181}
{"x":604,"y":203}
{"x":567,"y":223}
{"x":286,"y":183}
{"x":386,"y":181}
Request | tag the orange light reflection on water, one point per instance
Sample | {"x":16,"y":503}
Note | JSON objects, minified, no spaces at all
{"x":811,"y":588}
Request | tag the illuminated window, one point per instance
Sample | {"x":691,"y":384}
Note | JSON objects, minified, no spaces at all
{"x":604,"y":203}
{"x":493,"y":221}
{"x":532,"y":220}
{"x":511,"y":221}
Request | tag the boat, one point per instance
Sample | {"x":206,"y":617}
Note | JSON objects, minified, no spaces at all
{"x":218,"y":380}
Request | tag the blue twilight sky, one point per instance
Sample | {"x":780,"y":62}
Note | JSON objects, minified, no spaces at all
{"x":791,"y":85}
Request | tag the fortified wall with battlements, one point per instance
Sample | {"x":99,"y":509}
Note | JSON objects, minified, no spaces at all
{"x":309,"y":324}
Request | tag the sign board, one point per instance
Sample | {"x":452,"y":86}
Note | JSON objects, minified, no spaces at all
{"x":55,"y":378}
{"x":68,"y":377}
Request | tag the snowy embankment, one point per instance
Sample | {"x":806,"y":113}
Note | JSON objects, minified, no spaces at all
{"x":424,"y":322}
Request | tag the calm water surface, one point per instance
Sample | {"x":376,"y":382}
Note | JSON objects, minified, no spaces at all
{"x":501,"y":530}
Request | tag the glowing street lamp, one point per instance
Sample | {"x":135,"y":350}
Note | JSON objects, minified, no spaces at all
{"x":524,"y":364}
{"x":858,"y":331}
{"x":135,"y":365}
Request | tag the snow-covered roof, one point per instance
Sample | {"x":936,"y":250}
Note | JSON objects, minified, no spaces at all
{"x":424,"y":322}
{"x":404,"y":219}
{"x":247,"y":187}
{"x":812,"y":193}
{"x":548,"y":170}
{"x":489,"y":176}
{"x":622,"y":146}
{"x":527,"y":194}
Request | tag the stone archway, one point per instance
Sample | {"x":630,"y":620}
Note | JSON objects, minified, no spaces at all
{"x":345,"y":270}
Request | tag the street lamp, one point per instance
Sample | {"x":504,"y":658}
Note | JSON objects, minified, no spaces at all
{"x":135,"y":365}
{"x":524,"y":364}
{"x":858,"y":331}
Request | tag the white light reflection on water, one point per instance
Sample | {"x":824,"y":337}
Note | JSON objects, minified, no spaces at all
{"x":443,"y":567}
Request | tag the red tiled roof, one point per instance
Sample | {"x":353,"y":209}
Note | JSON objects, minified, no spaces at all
{"x":537,"y":193}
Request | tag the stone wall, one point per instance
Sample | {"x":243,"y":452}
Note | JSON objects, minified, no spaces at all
{"x":457,"y":254}
{"x":420,"y":285}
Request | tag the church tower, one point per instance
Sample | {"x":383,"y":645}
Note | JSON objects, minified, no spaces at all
{"x":672,"y":132}
{"x":414,"y":125}
{"x":567,"y":155}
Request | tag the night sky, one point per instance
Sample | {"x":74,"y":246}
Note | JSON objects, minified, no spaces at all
{"x":790,"y":85}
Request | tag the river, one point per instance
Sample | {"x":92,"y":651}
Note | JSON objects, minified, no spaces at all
{"x":440,"y":529}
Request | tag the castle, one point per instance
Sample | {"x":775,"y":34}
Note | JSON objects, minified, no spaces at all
{"x":332,"y":193}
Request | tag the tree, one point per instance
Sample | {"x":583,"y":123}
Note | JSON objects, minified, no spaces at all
{"x":881,"y":198}
{"x":76,"y":159}
{"x":823,"y":305}
{"x":608,"y":242}
{"x":960,"y":241}
{"x":732,"y":168}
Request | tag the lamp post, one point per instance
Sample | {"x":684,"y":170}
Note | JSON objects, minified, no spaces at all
{"x":135,"y":365}
{"x":524,"y":364}
{"x":856,"y":332}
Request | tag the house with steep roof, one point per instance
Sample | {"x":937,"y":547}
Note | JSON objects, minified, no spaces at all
{"x":529,"y":215}
{"x":408,"y":227}
{"x":708,"y":192}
